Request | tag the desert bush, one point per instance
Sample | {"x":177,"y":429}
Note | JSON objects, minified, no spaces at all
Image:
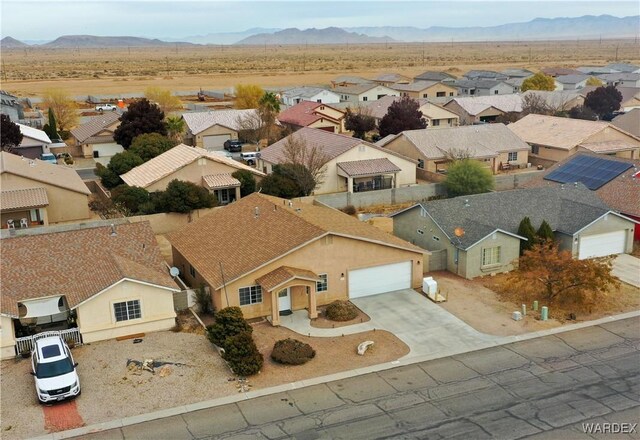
{"x":229,"y":322}
{"x":341,"y":311}
{"x":203,"y":300}
{"x":242,"y":354}
{"x":292,"y":352}
{"x":349,"y":209}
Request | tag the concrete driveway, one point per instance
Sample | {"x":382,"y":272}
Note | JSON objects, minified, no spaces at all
{"x":424,"y":326}
{"x":627,"y":268}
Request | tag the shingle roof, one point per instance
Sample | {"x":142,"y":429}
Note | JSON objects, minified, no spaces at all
{"x":413,"y":87}
{"x":94,"y":126}
{"x":35,"y":169}
{"x":172,"y":160}
{"x":554,"y":99}
{"x":593,"y":70}
{"x":621,"y":194}
{"x":215,"y":181}
{"x":284,"y":274}
{"x":620,"y":76}
{"x":368,"y":167}
{"x":628,"y":93}
{"x":629,"y":122}
{"x":276,"y":230}
{"x":302,"y":114}
{"x":478,"y":140}
{"x":517,"y":73}
{"x":566,"y":208}
{"x":305,"y":91}
{"x":79,"y":263}
{"x":351,"y":80}
{"x":623,"y":67}
{"x":477,"y":104}
{"x":608,"y":146}
{"x":473,"y":74}
{"x":23,"y":199}
{"x":433,"y":76}
{"x":571,"y":79}
{"x":559,"y":71}
{"x":389,"y":77}
{"x":34,"y":133}
{"x":200,"y":121}
{"x":355,"y":90}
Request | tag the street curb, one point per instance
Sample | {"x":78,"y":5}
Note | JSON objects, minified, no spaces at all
{"x":404,"y":361}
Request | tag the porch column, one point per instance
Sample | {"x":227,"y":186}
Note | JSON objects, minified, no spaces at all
{"x":395,"y":180}
{"x":237,"y":193}
{"x":350,"y":184}
{"x":275,"y":312}
{"x":313,"y":311}
{"x":44,"y":216}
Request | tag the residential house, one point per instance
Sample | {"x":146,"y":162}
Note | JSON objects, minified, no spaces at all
{"x":624,"y":67}
{"x":34,"y":142}
{"x":313,"y":114}
{"x":630,"y":96}
{"x":621,"y":79}
{"x":389,"y":79}
{"x":296,"y":95}
{"x":483,"y":109}
{"x":426,"y":89}
{"x":477,"y":235}
{"x":482,"y":87}
{"x":559,"y":71}
{"x":291,"y":256}
{"x":435,"y":76}
{"x":517,"y":73}
{"x":615,"y":180}
{"x":347,"y":81}
{"x":363,"y":92}
{"x":36,"y":193}
{"x":211,"y":129}
{"x":95,"y":137}
{"x":110,"y":280}
{"x":629,"y":122}
{"x":191,"y":164}
{"x":571,"y":82}
{"x":596,"y":70}
{"x":557,"y":100}
{"x":494,"y":145}
{"x":351,"y":164}
{"x":554,"y":139}
{"x":485,"y":75}
{"x":435,"y":115}
{"x":10,"y":106}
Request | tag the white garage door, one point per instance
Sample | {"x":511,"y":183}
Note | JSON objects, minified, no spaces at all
{"x":601,"y":245}
{"x":215,"y":142}
{"x":379,"y":279}
{"x":107,"y":149}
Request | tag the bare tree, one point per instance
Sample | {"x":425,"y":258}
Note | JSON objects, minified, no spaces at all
{"x":455,"y":154}
{"x":534,"y":103}
{"x":313,"y":159}
{"x":258,"y":125}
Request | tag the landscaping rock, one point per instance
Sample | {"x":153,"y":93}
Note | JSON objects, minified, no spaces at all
{"x":364,"y":346}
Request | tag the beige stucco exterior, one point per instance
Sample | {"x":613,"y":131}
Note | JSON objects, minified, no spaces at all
{"x":369,"y":95}
{"x":438,"y":90}
{"x":64,"y":204}
{"x":489,"y":114}
{"x":96,"y":318}
{"x":333,"y":255}
{"x":7,"y":338}
{"x":198,"y":140}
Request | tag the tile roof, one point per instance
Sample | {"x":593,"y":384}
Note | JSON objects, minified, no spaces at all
{"x":284,"y":274}
{"x":413,"y":87}
{"x":94,"y":126}
{"x":276,"y":229}
{"x":34,"y":133}
{"x":478,"y":140}
{"x":79,"y":263}
{"x":303,"y":114}
{"x":608,"y":146}
{"x":621,"y":194}
{"x":477,"y":104}
{"x":215,"y":181}
{"x":552,"y":131}
{"x":23,"y":199}
{"x":434,"y":76}
{"x":629,"y":122}
{"x":35,"y":169}
{"x":368,"y":167}
{"x":172,"y":160}
{"x":199,"y":121}
{"x":566,"y":208}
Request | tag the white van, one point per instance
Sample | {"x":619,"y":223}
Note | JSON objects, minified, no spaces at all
{"x":250,"y":158}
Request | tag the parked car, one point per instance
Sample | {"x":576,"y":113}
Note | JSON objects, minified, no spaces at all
{"x":232,"y":145}
{"x":105,"y":107}
{"x":250,"y":158}
{"x":48,"y":157}
{"x":54,"y":370}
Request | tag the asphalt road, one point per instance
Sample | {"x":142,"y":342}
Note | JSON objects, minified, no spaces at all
{"x":542,"y":388}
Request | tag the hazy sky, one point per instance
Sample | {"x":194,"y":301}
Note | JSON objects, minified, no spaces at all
{"x":48,"y":19}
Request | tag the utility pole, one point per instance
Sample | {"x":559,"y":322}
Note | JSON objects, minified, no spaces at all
{"x":617,"y":47}
{"x":167,"y":61}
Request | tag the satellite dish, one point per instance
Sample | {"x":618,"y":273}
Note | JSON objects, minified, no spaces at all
{"x":458,"y":232}
{"x":174,"y":271}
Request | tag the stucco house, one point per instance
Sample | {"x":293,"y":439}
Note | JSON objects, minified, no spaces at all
{"x":351,"y":164}
{"x":557,"y":100}
{"x":435,"y":115}
{"x":629,"y":122}
{"x":431,"y":75}
{"x":481,"y":109}
{"x":34,"y":142}
{"x":485,"y":75}
{"x":559,"y":71}
{"x":425,"y":89}
{"x":295,"y":95}
{"x":191,"y":164}
{"x":313,"y":114}
{"x":477,"y":235}
{"x":347,"y":80}
{"x":36,"y":193}
{"x":621,"y":79}
{"x":389,"y":79}
{"x":297,"y":256}
{"x":110,"y":280}
{"x":630,"y":96}
{"x":571,"y":82}
{"x":363,"y":92}
{"x":494,"y":145}
{"x":95,"y":137}
{"x":554,"y":139}
{"x":482,"y":87}
{"x":209,"y":130}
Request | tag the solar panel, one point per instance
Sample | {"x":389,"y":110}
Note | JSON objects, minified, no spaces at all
{"x":592,"y":172}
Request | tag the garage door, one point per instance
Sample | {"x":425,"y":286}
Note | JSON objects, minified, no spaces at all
{"x":107,"y":149}
{"x":379,"y":279}
{"x":215,"y":142}
{"x":601,"y":245}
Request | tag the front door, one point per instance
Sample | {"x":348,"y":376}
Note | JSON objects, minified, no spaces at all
{"x":284,"y":300}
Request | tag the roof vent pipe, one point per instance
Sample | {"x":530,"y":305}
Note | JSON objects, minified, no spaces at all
{"x":256,"y":212}
{"x":113,"y":230}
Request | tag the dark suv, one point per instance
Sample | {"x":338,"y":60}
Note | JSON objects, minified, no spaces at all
{"x":232,"y":145}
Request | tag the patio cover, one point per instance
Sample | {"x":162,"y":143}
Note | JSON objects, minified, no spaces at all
{"x":368,"y":167}
{"x":41,"y":307}
{"x":23,"y":198}
{"x":218,"y":181}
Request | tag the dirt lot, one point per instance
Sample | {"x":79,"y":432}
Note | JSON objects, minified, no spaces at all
{"x":474,"y":302}
{"x":97,"y":71}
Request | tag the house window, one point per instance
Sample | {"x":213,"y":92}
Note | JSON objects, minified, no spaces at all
{"x":441,"y":94}
{"x":450,"y":93}
{"x":495,"y":92}
{"x":421,"y":164}
{"x":364,"y":98}
{"x":320,"y":101}
{"x":513,"y":156}
{"x":424,"y":95}
{"x":491,"y":256}
{"x":535,"y":149}
{"x":323,"y":284}
{"x":127,"y":310}
{"x":192,"y":271}
{"x":250,"y":295}
{"x":435,"y":122}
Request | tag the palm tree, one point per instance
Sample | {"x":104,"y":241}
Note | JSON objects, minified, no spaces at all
{"x":175,"y":128}
{"x":270,"y":101}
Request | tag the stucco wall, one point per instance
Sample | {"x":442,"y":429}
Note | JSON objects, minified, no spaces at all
{"x":554,"y":154}
{"x":96,"y":318}
{"x":7,"y":338}
{"x":193,"y":173}
{"x":383,"y":196}
{"x":64,"y":205}
{"x":509,"y":252}
{"x":216,"y":129}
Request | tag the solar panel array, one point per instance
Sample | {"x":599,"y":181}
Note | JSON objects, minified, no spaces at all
{"x":592,"y":172}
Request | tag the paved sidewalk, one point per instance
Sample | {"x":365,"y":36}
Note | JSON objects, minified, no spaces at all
{"x":627,"y":268}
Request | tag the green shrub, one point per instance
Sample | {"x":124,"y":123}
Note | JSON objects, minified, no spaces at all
{"x":242,"y":354}
{"x":292,"y":352}
{"x":229,"y":322}
{"x":341,"y":311}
